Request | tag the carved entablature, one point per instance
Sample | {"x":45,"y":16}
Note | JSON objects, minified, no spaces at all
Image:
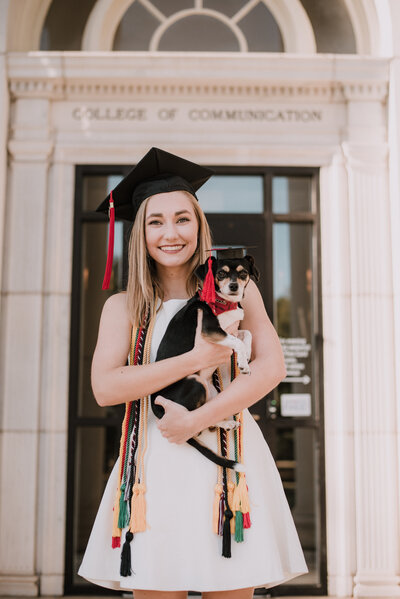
{"x":76,"y":90}
{"x":93,"y":76}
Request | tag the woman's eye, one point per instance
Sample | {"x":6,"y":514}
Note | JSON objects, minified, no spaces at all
{"x":183,"y":219}
{"x":154,"y":222}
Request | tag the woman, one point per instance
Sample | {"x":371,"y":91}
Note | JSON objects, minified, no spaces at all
{"x":179,"y":551}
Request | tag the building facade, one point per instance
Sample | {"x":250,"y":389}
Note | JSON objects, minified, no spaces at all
{"x":295,"y":106}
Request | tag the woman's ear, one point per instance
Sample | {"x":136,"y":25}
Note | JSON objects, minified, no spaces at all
{"x":254,"y":272}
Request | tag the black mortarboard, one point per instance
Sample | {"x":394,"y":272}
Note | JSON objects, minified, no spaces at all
{"x":157,"y":172}
{"x":229,"y":253}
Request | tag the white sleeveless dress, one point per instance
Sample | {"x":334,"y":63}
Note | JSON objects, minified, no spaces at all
{"x":180,"y":551}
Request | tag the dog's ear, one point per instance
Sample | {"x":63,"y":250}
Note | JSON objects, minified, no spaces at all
{"x":253,"y":270}
{"x":201,"y":271}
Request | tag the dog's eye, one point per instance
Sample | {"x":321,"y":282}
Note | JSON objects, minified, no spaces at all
{"x":222,"y":274}
{"x":243,"y":274}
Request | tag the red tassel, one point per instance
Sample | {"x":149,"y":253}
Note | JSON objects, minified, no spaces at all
{"x":246,"y":520}
{"x":110,"y":253}
{"x":208,"y":291}
{"x":116,"y":542}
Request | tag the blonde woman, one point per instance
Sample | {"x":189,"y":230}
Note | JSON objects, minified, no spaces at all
{"x":175,"y":549}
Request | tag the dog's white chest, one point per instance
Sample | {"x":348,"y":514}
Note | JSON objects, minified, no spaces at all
{"x":227,"y":318}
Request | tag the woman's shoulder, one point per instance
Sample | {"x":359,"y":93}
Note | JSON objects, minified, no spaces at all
{"x":117,"y":299}
{"x":115,"y":307}
{"x":252,"y":297}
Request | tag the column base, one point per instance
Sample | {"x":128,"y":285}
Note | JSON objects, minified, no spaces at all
{"x":366,"y":586}
{"x":25,"y":586}
{"x":340,"y":586}
{"x":52,"y":584}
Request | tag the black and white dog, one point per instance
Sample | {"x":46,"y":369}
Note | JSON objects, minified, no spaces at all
{"x":231,"y":277}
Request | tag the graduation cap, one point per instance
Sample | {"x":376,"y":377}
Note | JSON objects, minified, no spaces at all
{"x":229,"y":253}
{"x":157,"y":172}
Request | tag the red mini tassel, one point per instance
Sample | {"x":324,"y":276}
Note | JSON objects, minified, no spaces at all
{"x":116,"y":542}
{"x":246,"y":520}
{"x":110,"y":253}
{"x":208,"y":291}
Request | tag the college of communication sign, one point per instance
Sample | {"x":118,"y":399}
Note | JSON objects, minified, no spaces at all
{"x":233,"y":114}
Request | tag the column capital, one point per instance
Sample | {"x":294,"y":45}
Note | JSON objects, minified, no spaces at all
{"x":369,"y":157}
{"x":30,"y":151}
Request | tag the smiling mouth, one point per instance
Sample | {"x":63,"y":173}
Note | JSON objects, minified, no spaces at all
{"x":171,"y":248}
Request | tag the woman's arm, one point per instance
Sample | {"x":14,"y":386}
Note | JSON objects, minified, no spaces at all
{"x":113,"y":382}
{"x":267,"y":370}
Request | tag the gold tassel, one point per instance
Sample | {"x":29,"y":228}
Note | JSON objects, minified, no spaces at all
{"x":217,"y":497}
{"x":116,"y":532}
{"x":138,"y":509}
{"x":243,"y":496}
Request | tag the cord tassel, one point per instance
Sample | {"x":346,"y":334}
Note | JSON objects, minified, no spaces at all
{"x":126,"y":568}
{"x":115,"y":542}
{"x":246,"y":520}
{"x":239,"y":538}
{"x":231,"y":488}
{"x":123,"y":517}
{"x":110,"y":252}
{"x":221,"y":514}
{"x":116,"y":531}
{"x":138,"y":509}
{"x":226,"y":537}
{"x":217,"y":500}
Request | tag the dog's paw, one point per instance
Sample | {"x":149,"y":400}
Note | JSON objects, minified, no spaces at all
{"x":244,"y":368}
{"x":238,"y":468}
{"x":228,"y":425}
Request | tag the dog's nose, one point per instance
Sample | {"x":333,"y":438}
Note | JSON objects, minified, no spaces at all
{"x":233,"y":286}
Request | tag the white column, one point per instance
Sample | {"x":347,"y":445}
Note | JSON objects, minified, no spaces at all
{"x":374,"y":399}
{"x":394,"y":161}
{"x":338,"y":374}
{"x":4,"y":106}
{"x":52,"y":472}
{"x":20,"y":343}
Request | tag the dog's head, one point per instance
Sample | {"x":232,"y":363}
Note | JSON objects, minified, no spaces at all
{"x":230,"y":275}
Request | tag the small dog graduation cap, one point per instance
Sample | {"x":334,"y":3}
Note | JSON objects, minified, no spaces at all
{"x":157,"y":172}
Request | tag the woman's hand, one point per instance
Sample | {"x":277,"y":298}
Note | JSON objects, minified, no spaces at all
{"x":207,"y":353}
{"x":177,"y":424}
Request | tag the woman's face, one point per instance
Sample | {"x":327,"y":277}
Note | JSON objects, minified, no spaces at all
{"x":171,"y":228}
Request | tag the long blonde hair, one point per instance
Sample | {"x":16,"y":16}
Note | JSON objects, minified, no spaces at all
{"x":143,"y":288}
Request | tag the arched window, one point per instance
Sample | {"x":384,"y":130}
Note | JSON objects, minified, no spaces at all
{"x":332,"y":26}
{"x":65,"y":23}
{"x":204,"y":25}
{"x":230,"y":26}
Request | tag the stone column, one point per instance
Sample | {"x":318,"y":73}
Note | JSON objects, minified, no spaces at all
{"x":4,"y":106}
{"x":394,"y":161}
{"x":53,"y":420}
{"x":338,"y":375}
{"x":372,"y":323}
{"x":21,"y":344}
